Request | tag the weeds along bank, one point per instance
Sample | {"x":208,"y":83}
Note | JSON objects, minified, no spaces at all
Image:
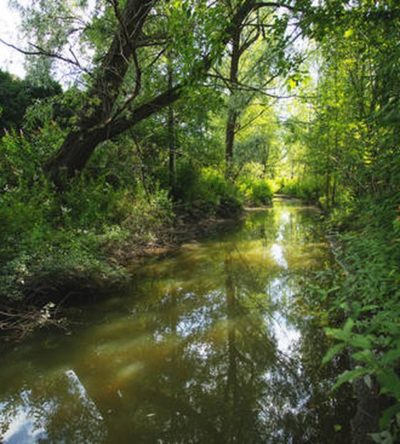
{"x":55,"y":244}
{"x":344,"y":148}
{"x":365,"y":293}
{"x":77,"y":241}
{"x":368,"y":292}
{"x":364,"y":216}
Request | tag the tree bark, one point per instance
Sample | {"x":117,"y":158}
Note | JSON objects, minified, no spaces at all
{"x":112,"y":71}
{"x":232,"y":112}
{"x":78,"y":146}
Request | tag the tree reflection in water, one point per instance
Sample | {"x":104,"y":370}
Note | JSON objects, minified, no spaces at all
{"x":214,"y":344}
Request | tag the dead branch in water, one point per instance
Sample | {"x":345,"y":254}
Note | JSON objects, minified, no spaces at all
{"x":16,"y":324}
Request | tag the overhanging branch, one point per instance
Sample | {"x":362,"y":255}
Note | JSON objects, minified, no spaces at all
{"x":39,"y":51}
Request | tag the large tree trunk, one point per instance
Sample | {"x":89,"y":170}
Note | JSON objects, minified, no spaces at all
{"x":172,"y":150}
{"x":95,"y":117}
{"x":78,"y":146}
{"x":230,"y":141}
{"x":232,"y":112}
{"x":74,"y":154}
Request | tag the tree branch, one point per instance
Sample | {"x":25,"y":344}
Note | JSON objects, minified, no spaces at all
{"x":248,"y":123}
{"x":145,"y":110}
{"x":45,"y":53}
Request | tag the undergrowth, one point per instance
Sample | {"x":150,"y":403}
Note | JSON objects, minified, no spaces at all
{"x":77,"y":240}
{"x":368,"y":293}
{"x":56,"y":242}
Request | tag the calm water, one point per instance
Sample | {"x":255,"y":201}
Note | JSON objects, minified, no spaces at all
{"x":218,"y":343}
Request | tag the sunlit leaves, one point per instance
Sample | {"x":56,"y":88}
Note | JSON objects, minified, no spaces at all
{"x":348,"y":33}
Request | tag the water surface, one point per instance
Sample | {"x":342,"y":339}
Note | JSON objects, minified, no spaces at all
{"x":218,"y":343}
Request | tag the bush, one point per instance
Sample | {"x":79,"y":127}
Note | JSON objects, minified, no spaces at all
{"x":147,"y":215}
{"x":309,"y":189}
{"x":368,"y":292}
{"x":206,"y":191}
{"x":58,"y":242}
{"x":256,"y":191}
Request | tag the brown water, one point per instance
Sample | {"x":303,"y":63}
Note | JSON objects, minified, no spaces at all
{"x":218,"y":343}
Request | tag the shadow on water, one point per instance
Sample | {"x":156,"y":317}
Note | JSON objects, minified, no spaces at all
{"x":215,"y":344}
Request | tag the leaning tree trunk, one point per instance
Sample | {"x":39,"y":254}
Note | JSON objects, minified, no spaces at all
{"x":78,"y":146}
{"x":95,"y":117}
{"x":73,"y":155}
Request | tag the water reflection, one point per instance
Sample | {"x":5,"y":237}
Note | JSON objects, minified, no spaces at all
{"x":211,"y":345}
{"x":57,"y":409}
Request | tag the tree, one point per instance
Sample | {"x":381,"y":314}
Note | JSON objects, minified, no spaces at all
{"x":138,"y":26}
{"x":248,"y":79}
{"x":350,"y":142}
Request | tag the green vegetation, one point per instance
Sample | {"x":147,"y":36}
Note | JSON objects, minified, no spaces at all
{"x":53,"y":243}
{"x":346,"y":156}
{"x":172,"y":112}
{"x":307,"y":188}
{"x":17,"y":95}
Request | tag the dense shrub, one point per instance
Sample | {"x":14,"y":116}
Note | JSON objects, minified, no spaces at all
{"x":368,"y":291}
{"x":256,"y":191}
{"x":206,"y":190}
{"x":17,"y":95}
{"x":52,"y":241}
{"x":306,"y":188}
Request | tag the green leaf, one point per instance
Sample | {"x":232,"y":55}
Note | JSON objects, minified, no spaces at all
{"x":360,"y":341}
{"x":382,"y":437}
{"x":391,"y":356}
{"x":332,"y":352}
{"x":390,"y":383}
{"x":387,"y":415}
{"x":349,"y":376}
{"x":348,"y":33}
{"x":292,"y":83}
{"x":337,"y":334}
{"x":364,"y":356}
{"x":348,"y":326}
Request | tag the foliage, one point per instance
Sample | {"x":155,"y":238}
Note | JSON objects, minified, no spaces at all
{"x":222,"y":145}
{"x":369,"y":293}
{"x":207,"y":191}
{"x":343,"y":150}
{"x":17,"y":95}
{"x":256,"y":191}
{"x":55,"y":242}
{"x":305,"y":188}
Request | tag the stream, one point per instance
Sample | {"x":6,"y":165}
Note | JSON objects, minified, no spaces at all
{"x":219,"y":342}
